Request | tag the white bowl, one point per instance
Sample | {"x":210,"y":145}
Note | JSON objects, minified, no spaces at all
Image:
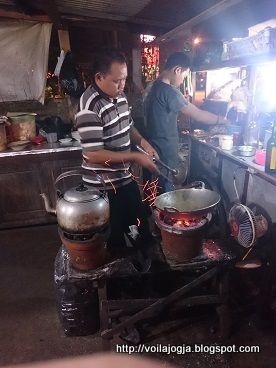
{"x":76,"y":136}
{"x":65,"y":141}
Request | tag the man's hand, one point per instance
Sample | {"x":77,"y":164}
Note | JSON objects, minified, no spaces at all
{"x":222,"y":121}
{"x":148,"y":148}
{"x":103,"y":157}
{"x":146,"y":162}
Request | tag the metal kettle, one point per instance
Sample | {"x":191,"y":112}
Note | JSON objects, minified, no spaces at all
{"x":82,"y":209}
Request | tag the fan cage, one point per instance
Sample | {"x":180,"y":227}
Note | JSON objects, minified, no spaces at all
{"x":244,"y":218}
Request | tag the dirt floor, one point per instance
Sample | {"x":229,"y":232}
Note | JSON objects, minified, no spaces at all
{"x":31,"y":331}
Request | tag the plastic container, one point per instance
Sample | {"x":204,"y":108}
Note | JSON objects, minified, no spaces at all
{"x":22,"y":126}
{"x":260,"y":157}
{"x":226,"y":142}
{"x":51,"y":137}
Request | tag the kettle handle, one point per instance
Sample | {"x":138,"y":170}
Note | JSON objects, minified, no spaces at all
{"x":79,"y":173}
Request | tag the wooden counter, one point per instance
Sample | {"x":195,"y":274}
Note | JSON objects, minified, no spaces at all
{"x":26,"y":174}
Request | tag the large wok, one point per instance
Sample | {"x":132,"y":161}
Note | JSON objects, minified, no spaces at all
{"x":187,"y":203}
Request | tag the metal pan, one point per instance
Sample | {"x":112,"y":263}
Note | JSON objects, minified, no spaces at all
{"x":187,"y":202}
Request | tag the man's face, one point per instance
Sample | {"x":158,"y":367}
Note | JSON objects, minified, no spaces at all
{"x":113,"y":82}
{"x":178,"y":75}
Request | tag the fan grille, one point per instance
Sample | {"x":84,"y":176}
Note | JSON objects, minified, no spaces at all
{"x":243,"y":225}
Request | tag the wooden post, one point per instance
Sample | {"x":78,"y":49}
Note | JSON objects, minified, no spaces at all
{"x":64,"y":40}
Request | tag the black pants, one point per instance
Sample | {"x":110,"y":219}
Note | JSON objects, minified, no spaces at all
{"x":126,"y":209}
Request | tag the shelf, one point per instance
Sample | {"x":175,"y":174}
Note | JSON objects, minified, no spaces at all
{"x":244,"y":61}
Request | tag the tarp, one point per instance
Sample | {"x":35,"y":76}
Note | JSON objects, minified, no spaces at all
{"x":24,"y":60}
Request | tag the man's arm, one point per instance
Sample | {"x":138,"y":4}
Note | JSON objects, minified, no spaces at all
{"x":136,"y":138}
{"x":202,"y":116}
{"x":106,"y":157}
{"x":90,"y":128}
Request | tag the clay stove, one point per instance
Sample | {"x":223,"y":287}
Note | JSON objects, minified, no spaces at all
{"x":86,"y":251}
{"x":181,"y":238}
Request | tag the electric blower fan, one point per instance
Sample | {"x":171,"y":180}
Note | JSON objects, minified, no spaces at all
{"x":246,"y":227}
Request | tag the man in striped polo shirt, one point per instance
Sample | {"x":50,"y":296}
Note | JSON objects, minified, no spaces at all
{"x":106,"y":130}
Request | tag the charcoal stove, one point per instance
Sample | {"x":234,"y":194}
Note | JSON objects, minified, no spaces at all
{"x":181,"y":237}
{"x":87,"y":250}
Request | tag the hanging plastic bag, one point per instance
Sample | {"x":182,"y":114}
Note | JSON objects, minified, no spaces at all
{"x":70,"y":78}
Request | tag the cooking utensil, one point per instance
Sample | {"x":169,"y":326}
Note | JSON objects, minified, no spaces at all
{"x":187,"y":202}
{"x":174,"y":176}
{"x":246,"y":151}
{"x":80,"y":210}
{"x":157,"y":160}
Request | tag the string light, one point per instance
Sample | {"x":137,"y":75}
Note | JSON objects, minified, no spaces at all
{"x":150,"y":58}
{"x":197,"y":41}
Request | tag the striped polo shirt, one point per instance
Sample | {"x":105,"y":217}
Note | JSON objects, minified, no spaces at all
{"x":104,"y":123}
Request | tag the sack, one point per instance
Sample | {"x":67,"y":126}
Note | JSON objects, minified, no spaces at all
{"x":77,"y":298}
{"x":70,"y":78}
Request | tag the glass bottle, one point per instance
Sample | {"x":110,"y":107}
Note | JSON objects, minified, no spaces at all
{"x":251,"y":136}
{"x":270,"y":162}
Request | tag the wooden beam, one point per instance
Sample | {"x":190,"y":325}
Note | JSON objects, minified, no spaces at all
{"x":187,"y":26}
{"x":8,"y":14}
{"x":51,"y":10}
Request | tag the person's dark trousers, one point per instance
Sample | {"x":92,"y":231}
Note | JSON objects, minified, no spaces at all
{"x":126,"y":209}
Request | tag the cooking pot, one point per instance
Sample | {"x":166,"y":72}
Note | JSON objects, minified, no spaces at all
{"x":189,"y":202}
{"x":82,"y":209}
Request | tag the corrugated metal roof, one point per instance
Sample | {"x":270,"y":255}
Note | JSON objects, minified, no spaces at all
{"x":125,"y":8}
{"x":164,"y":14}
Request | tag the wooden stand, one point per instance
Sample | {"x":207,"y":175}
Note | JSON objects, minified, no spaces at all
{"x":136,"y":310}
{"x":118,"y":314}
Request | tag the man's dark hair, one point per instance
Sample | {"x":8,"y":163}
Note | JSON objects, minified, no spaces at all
{"x":177,"y":59}
{"x":104,"y":58}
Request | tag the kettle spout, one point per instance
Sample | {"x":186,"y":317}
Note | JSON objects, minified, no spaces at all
{"x":48,"y":207}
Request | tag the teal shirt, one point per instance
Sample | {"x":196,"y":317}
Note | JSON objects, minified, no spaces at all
{"x":161,"y":106}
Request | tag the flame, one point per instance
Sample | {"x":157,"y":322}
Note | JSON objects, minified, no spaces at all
{"x":138,"y":222}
